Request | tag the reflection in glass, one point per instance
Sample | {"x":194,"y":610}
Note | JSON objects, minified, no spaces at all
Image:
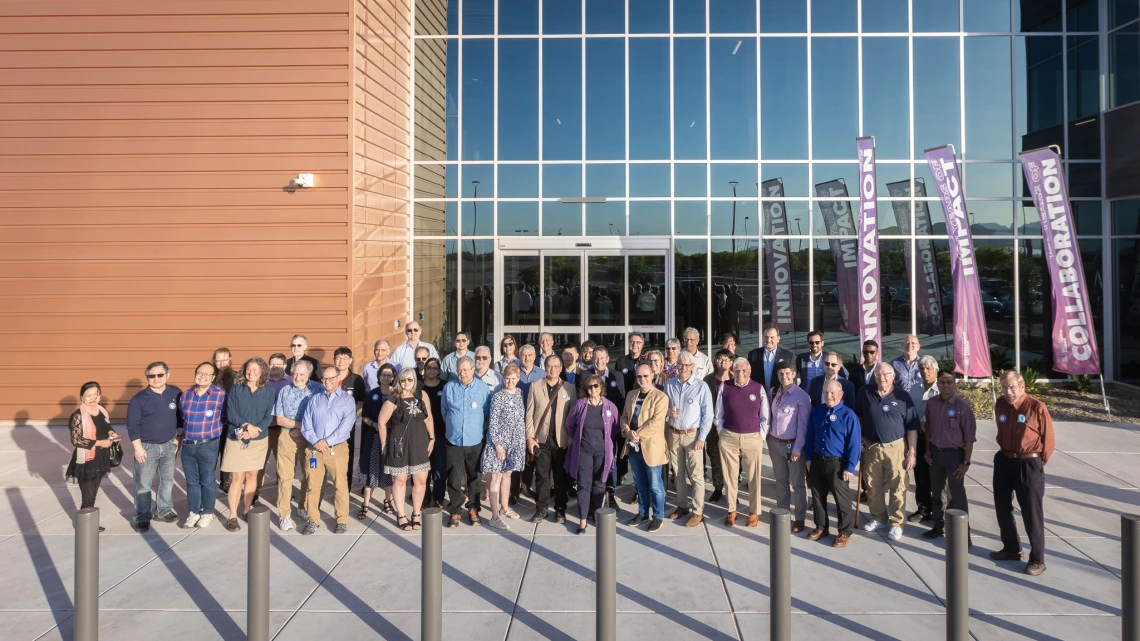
{"x":478,"y":100}
{"x":690,"y":286}
{"x":880,"y":16}
{"x":647,"y":290}
{"x":436,"y":181}
{"x":562,"y":98}
{"x":835,"y":97}
{"x":437,"y":100}
{"x":478,"y":219}
{"x":732,"y":16}
{"x":605,"y":277}
{"x":478,"y":290}
{"x":478,"y":181}
{"x":1037,"y":86}
{"x":1084,"y":179}
{"x":518,"y":99}
{"x":736,"y":179}
{"x":1124,"y":62}
{"x":561,"y":16}
{"x":561,"y":219}
{"x":648,"y":180}
{"x":886,"y":95}
{"x":518,"y":181}
{"x":799,"y":253}
{"x":518,"y":218}
{"x":894,"y":293}
{"x":649,"y":218}
{"x":435,"y":282}
{"x":783,"y":97}
{"x":605,"y":16}
{"x":561,"y":181}
{"x":478,"y":17}
{"x":689,"y":97}
{"x":793,"y":176}
{"x":605,"y":219}
{"x":1037,"y":15}
{"x":520,"y":290}
{"x":834,"y":16}
{"x":985,"y":15}
{"x":1084,"y":98}
{"x":734,"y":217}
{"x":987,"y":217}
{"x":827,"y":315}
{"x":1127,"y":321}
{"x":936,"y":115}
{"x":690,"y":217}
{"x":562,"y":280}
{"x":894,"y":217}
{"x":431,"y":219}
{"x":783,"y":16}
{"x":1086,"y":217}
{"x":689,"y":16}
{"x":518,"y":17}
{"x":605,"y":98}
{"x":649,"y":98}
{"x":989,"y":132}
{"x":732,"y":87}
{"x":935,"y":15}
{"x":648,"y":16}
{"x":736,"y":288}
{"x":887,"y":173}
{"x":606,"y":180}
{"x":988,"y":180}
{"x":690,"y":180}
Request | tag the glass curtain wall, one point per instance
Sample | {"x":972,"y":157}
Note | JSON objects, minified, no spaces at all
{"x":729,"y":127}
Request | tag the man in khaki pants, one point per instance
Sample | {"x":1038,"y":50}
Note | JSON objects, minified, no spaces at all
{"x":889,"y":424}
{"x":326,"y":424}
{"x":742,"y":420}
{"x":291,"y":445}
{"x":690,"y":419}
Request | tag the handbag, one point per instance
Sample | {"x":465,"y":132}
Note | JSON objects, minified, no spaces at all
{"x":116,"y":454}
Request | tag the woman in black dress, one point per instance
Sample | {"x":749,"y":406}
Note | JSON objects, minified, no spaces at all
{"x":371,"y":470}
{"x":407,"y":438}
{"x":437,"y":478}
{"x":92,"y":436}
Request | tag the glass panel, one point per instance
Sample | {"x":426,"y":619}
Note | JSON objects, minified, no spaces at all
{"x":1124,"y":61}
{"x":648,"y":16}
{"x":605,"y":276}
{"x":518,"y":181}
{"x":690,"y":272}
{"x":988,"y":180}
{"x":436,"y":181}
{"x":649,"y":218}
{"x":936,"y":115}
{"x":647,"y":290}
{"x":479,"y":299}
{"x":1128,"y":314}
{"x":834,"y":16}
{"x":887,"y":173}
{"x":689,"y":16}
{"x":613,"y":342}
{"x":1084,"y":180}
{"x":561,"y":16}
{"x":793,"y":177}
{"x":518,"y":16}
{"x":520,"y":275}
{"x":1122,"y":12}
{"x":732,"y":87}
{"x":1084,"y":98}
{"x":435,"y":282}
{"x":437,"y":99}
{"x":475,"y":224}
{"x":478,"y":17}
{"x":886,"y":96}
{"x":649,"y":98}
{"x":690,"y":217}
{"x":432,"y":220}
{"x":935,"y":15}
{"x":894,"y":218}
{"x":1084,"y":139}
{"x":986,"y":15}
{"x":1082,"y":15}
{"x":518,"y":99}
{"x":561,"y":181}
{"x":845,"y":172}
{"x":732,"y":16}
{"x":799,"y":253}
{"x":1037,"y":15}
{"x":989,"y":131}
{"x":783,"y":98}
{"x":605,"y":98}
{"x":1086,"y":216}
{"x":606,"y":180}
{"x":605,"y":16}
{"x":561,"y":219}
{"x":605,"y":219}
{"x":828,"y":316}
{"x":518,"y":218}
{"x":690,"y":180}
{"x":478,"y":181}
{"x":562,"y":99}
{"x":729,"y":180}
{"x":732,"y":217}
{"x":883,"y":16}
{"x":1126,"y":218}
{"x":689,"y":98}
{"x":1038,"y":85}
{"x":987,"y":217}
{"x":894,"y":294}
{"x":783,"y":16}
{"x":648,"y":180}
{"x":735,"y":269}
{"x":478,"y":100}
{"x":562,"y":281}
{"x":434,"y":18}
{"x":835,"y":97}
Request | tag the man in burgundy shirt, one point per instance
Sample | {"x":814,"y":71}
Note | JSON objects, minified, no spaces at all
{"x":950,"y":434}
{"x":1025,"y":436}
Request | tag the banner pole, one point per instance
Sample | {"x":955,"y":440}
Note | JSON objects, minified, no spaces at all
{"x":1104,"y":397}
{"x":993,"y":390}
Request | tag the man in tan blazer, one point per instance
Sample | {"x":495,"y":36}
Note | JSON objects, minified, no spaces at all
{"x":547,"y":405}
{"x":643,"y":427}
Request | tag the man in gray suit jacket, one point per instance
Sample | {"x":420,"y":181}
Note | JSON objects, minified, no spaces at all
{"x":547,"y":405}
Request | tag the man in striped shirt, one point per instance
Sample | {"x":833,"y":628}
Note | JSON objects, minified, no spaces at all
{"x":203,"y":415}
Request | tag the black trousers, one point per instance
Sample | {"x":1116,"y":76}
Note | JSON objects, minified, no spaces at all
{"x":922,"y":478}
{"x":351,"y":455}
{"x":712,"y":446}
{"x":941,"y":475}
{"x":89,"y":491}
{"x":826,"y":478}
{"x":550,"y":476}
{"x":437,"y":478}
{"x":463,"y":464}
{"x":591,"y":483}
{"x":520,"y":479}
{"x":1025,"y":479}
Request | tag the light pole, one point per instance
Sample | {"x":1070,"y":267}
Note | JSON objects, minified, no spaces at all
{"x":747,"y":243}
{"x":474,"y":228}
{"x":734,"y":184}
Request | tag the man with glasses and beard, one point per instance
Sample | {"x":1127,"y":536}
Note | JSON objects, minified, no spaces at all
{"x":809,"y":365}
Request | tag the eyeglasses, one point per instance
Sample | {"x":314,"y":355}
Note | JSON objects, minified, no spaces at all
{"x":199,"y":375}
{"x":831,"y":364}
{"x":644,"y":376}
{"x":155,"y":375}
{"x":297,"y":345}
{"x":815,"y":342}
{"x":594,"y":386}
{"x":508,"y":344}
{"x":411,"y":329}
{"x":870,"y":352}
{"x":329,"y":378}
{"x":434,"y":368}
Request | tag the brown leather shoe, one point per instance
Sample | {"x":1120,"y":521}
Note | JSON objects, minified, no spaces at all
{"x":454,"y":520}
{"x":841,"y":541}
{"x":678,"y":513}
{"x":730,"y":519}
{"x":233,"y":526}
{"x":474,"y":514}
{"x":816,"y":534}
{"x":694,"y":520}
{"x":797,"y":526}
{"x":1002,"y":555}
{"x":1035,"y":568}
{"x":753,"y":519}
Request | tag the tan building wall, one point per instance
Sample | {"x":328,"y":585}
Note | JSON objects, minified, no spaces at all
{"x":146,"y":210}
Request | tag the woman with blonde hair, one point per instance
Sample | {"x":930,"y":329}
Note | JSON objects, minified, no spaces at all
{"x":249,"y":411}
{"x":509,"y":347}
{"x":505,"y":451}
{"x":407,"y":438}
{"x":656,"y":361}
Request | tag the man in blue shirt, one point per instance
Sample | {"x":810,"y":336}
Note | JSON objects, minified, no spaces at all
{"x":688,"y":425}
{"x":831,"y":454}
{"x":326,"y":424}
{"x":465,"y":408}
{"x":155,"y":429}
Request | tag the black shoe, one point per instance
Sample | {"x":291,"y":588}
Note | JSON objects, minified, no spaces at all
{"x":538,"y":517}
{"x":921,"y":514}
{"x":513,"y":499}
{"x":256,"y":499}
{"x":560,"y":516}
{"x":142,"y":528}
{"x":716,"y":496}
{"x":635,"y":521}
{"x":169,"y":518}
{"x":1004,"y":555}
{"x":655,"y":525}
{"x":936,"y":532}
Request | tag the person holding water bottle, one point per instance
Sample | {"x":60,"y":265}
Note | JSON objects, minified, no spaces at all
{"x":326,"y":424}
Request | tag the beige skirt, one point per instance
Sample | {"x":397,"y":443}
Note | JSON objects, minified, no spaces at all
{"x":245,"y":459}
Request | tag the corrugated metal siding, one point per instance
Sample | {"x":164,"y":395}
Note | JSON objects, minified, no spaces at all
{"x":146,"y":149}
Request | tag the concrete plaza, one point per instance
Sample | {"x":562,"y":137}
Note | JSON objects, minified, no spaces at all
{"x":536,"y":582}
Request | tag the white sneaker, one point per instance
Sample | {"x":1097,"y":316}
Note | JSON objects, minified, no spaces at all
{"x":191,"y":520}
{"x":498,"y":523}
{"x":895,"y":534}
{"x":205,"y":520}
{"x":873,"y":526}
{"x":286,"y":524}
{"x":302,"y":514}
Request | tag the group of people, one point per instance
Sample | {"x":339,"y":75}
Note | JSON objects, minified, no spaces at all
{"x":470,"y":430}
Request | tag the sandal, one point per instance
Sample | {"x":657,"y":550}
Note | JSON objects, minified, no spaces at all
{"x":415,"y":521}
{"x":388,"y":507}
{"x":406,"y":525}
{"x":363,"y":514}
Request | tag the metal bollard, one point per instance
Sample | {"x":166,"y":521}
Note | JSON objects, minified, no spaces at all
{"x":1129,"y":576}
{"x":87,"y":574}
{"x":606,"y":519}
{"x":431,"y":578}
{"x":957,"y":575}
{"x":257,"y":576}
{"x":780,"y":575}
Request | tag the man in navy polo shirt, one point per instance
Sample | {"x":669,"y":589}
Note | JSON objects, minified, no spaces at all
{"x":890,"y":424}
{"x":154,"y":426}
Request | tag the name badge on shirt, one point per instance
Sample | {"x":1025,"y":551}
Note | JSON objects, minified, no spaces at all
{"x":690,"y":401}
{"x":752,"y":397}
{"x":209,"y":413}
{"x":886,"y":408}
{"x":1001,"y":418}
{"x":439,"y":393}
{"x":375,"y":397}
{"x":951,"y":413}
{"x":1020,"y":418}
{"x":787,"y":411}
{"x":613,"y":383}
{"x":609,"y":413}
{"x":625,"y":370}
{"x":564,"y":396}
{"x":832,"y":417}
{"x":172,"y":405}
{"x":474,"y":405}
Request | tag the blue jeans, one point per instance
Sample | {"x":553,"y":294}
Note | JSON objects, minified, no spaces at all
{"x":650,"y":486}
{"x":198,"y":461}
{"x":160,"y":460}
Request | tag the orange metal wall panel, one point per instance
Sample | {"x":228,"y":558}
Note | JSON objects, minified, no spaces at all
{"x":146,"y":212}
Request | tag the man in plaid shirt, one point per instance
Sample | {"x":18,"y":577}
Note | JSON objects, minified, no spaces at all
{"x":203,"y":415}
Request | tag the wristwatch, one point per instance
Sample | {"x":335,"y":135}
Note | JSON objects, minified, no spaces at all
{"x":965,"y":462}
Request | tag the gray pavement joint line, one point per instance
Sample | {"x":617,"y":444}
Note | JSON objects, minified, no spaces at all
{"x":1082,"y":553}
{"x":522,"y":577}
{"x":185,"y":535}
{"x":54,"y":627}
{"x":723,"y":583}
{"x":1129,"y":486}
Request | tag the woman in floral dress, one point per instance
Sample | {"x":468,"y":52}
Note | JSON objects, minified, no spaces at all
{"x":506,"y":445}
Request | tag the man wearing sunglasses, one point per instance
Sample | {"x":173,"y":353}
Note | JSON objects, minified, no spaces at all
{"x":298,"y":346}
{"x":832,"y":371}
{"x":405,"y":353}
{"x":155,"y":430}
{"x":449,"y":362}
{"x":865,"y":375}
{"x":809,"y":365}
